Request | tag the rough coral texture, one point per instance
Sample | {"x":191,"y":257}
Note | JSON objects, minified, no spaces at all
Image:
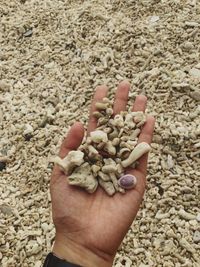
{"x":47,"y":80}
{"x":97,"y":144}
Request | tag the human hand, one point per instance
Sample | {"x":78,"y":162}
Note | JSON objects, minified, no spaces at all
{"x":90,"y":227}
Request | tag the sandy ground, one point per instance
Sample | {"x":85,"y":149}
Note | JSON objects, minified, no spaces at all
{"x":52,"y":55}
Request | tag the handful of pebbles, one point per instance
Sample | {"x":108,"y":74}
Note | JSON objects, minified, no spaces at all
{"x":107,"y":152}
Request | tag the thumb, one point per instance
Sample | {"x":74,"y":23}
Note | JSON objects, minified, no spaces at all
{"x":73,"y":139}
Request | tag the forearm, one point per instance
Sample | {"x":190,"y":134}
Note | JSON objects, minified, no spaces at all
{"x":79,"y":255}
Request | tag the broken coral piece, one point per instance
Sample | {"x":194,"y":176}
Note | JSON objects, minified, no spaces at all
{"x":108,"y":187}
{"x":107,"y":151}
{"x":82,"y":176}
{"x":99,"y":136}
{"x":73,"y":159}
{"x":137,"y":152}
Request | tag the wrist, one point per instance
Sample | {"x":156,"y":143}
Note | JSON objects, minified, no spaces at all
{"x":78,"y":254}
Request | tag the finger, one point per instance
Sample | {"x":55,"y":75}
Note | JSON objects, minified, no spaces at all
{"x":140,"y":171}
{"x":146,"y":136}
{"x":101,"y":92}
{"x":71,"y":142}
{"x":121,"y":97}
{"x":140,"y":103}
{"x":73,"y":139}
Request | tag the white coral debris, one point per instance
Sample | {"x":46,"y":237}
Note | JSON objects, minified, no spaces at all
{"x":99,"y":136}
{"x":137,"y":152}
{"x":73,"y":159}
{"x":47,"y":80}
{"x":82,"y":176}
{"x":122,"y":146}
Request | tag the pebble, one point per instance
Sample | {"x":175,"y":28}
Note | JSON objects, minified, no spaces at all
{"x":28,"y":33}
{"x":195,"y":95}
{"x":28,"y":130}
{"x":170,"y":162}
{"x":186,"y":215}
{"x":191,"y":24}
{"x":38,"y":264}
{"x":181,"y":86}
{"x":5,"y":209}
{"x":188,"y":46}
{"x":127,"y":181}
{"x":195,"y":73}
{"x":154,"y":19}
{"x":197,"y":66}
{"x":186,"y":245}
{"x":4,"y":86}
{"x":2,"y":165}
{"x":49,"y":65}
{"x":198,"y":217}
{"x":196,"y":237}
{"x":45,"y":227}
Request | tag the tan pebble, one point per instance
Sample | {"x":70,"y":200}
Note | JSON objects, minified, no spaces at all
{"x":195,"y":95}
{"x":116,"y":141}
{"x":92,"y":151}
{"x":102,"y":121}
{"x":89,"y":140}
{"x":108,"y":187}
{"x":97,"y":114}
{"x":195,"y":73}
{"x":196,"y":236}
{"x":98,"y":136}
{"x":109,"y":111}
{"x":118,"y":121}
{"x":110,"y":148}
{"x":124,"y":153}
{"x":28,"y":129}
{"x":157,"y":139}
{"x":95,"y":169}
{"x":197,"y":66}
{"x":107,"y":130}
{"x":113,"y":134}
{"x":101,"y":106}
{"x":4,"y":86}
{"x":106,"y":100}
{"x":198,"y":217}
{"x":186,"y":245}
{"x":82,"y":176}
{"x":129,"y":121}
{"x":186,"y":215}
{"x":109,"y":168}
{"x":124,"y":138}
{"x":100,"y":146}
{"x":135,"y":134}
{"x":74,"y":158}
{"x":105,"y":177}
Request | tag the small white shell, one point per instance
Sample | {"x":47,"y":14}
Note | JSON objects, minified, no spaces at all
{"x":99,"y":136}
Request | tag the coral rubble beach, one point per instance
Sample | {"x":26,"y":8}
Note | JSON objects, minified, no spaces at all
{"x":52,"y":56}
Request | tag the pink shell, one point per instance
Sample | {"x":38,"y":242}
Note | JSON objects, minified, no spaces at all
{"x":127,"y":181}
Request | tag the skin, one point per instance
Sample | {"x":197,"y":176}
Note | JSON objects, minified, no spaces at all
{"x":90,"y":227}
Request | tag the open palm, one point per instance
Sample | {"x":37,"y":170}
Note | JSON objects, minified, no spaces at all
{"x":97,"y":222}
